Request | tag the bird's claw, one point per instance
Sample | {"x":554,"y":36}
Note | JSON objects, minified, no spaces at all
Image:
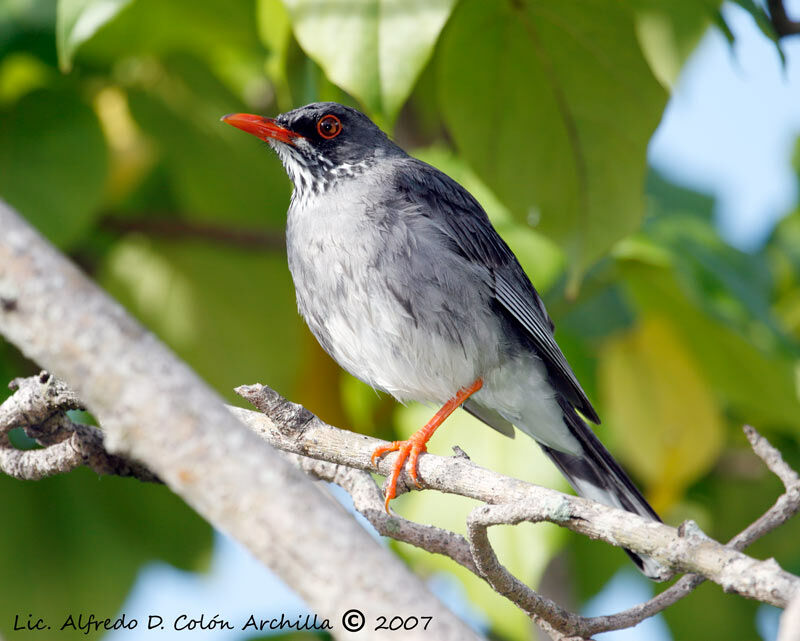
{"x":407,"y":451}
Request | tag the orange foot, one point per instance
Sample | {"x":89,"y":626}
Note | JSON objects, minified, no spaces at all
{"x":416,"y":444}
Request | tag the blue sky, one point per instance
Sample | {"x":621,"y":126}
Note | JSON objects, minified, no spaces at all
{"x":731,"y":127}
{"x":729,"y":130}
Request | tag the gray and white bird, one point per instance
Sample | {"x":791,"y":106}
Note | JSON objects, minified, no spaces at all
{"x":405,"y":283}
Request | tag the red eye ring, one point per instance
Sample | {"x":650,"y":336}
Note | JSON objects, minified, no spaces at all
{"x":329,"y":126}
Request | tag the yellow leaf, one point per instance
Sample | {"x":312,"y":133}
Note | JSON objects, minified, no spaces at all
{"x":666,"y":421}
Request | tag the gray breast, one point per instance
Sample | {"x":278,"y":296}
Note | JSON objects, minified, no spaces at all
{"x":387,"y":297}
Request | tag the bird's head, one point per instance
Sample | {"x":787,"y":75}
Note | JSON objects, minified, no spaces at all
{"x":321,"y":143}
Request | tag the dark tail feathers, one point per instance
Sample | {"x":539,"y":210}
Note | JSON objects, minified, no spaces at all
{"x":596,"y":475}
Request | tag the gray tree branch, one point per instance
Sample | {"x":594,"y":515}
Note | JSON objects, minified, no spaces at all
{"x":39,"y":407}
{"x":789,"y":629}
{"x":293,"y":429}
{"x":155,"y":410}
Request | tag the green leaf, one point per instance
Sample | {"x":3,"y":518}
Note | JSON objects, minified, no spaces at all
{"x":553,"y":105}
{"x":735,"y":286}
{"x":373,"y":49}
{"x":77,"y":21}
{"x":21,"y":73}
{"x":722,"y":25}
{"x":53,"y":163}
{"x":223,"y":34}
{"x":783,"y":252}
{"x":28,"y":25}
{"x":72,"y":529}
{"x":663,"y":413}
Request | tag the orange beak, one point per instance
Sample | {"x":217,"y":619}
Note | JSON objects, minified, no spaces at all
{"x":261,"y":127}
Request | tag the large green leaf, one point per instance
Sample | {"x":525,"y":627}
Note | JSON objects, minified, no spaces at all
{"x":373,"y":49}
{"x":553,"y":105}
{"x":223,"y":34}
{"x":78,"y":542}
{"x":79,"y":20}
{"x":53,"y":162}
{"x":199,"y":26}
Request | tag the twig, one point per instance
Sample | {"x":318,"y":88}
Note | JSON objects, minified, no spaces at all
{"x":772,"y":458}
{"x":39,"y":407}
{"x":166,"y":227}
{"x":538,"y":607}
{"x":368,"y":502}
{"x":784,"y":26}
{"x":295,"y":429}
{"x":787,"y":505}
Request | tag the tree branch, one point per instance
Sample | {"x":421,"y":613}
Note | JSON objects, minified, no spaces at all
{"x":40,"y":398}
{"x":784,"y":26}
{"x":154,"y":409}
{"x":368,"y":501}
{"x":789,"y":629}
{"x":167,"y":226}
{"x":39,"y":407}
{"x":787,"y":505}
{"x":293,"y":428}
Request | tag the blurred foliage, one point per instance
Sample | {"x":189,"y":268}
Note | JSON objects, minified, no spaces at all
{"x":110,"y":144}
{"x":649,"y":377}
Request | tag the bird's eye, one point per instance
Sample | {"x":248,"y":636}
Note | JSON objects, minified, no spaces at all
{"x":329,"y":126}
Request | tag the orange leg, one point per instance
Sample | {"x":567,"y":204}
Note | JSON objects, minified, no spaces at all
{"x":416,"y":444}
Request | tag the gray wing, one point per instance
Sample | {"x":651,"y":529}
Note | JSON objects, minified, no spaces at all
{"x":461,"y":218}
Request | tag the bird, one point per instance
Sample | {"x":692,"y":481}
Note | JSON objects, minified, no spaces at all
{"x":403,"y":280}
